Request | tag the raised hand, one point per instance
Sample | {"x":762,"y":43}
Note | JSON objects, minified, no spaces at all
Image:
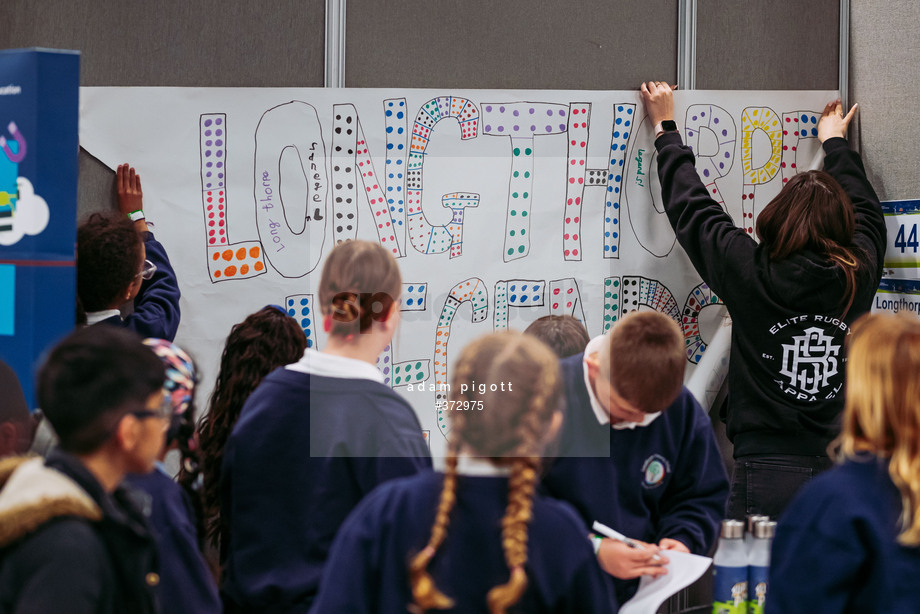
{"x":658,"y":98}
{"x":130,"y":194}
{"x":833,"y":122}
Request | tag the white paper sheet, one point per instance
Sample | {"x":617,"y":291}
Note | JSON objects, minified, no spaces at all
{"x":683,"y":570}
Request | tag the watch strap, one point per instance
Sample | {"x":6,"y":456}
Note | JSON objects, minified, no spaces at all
{"x":668,"y":125}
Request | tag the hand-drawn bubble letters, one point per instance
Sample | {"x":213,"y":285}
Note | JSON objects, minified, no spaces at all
{"x":319,"y":170}
{"x":290,"y":157}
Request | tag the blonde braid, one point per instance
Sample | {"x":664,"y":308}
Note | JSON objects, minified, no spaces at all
{"x":425,"y":594}
{"x":521,"y":487}
{"x":534,"y":422}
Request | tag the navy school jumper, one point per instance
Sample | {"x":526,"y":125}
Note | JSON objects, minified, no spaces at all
{"x":304,"y":452}
{"x":186,"y":583}
{"x":666,"y":479}
{"x":836,"y":547}
{"x":367,"y":570}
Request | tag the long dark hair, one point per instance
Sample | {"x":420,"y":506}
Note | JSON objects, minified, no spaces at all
{"x":812,"y":212}
{"x":182,"y":431}
{"x":265,"y":340}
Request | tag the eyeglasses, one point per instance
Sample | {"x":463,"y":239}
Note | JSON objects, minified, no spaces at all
{"x":164,"y":411}
{"x":148,"y":270}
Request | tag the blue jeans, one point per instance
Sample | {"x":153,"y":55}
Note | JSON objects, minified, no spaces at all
{"x":766,"y":483}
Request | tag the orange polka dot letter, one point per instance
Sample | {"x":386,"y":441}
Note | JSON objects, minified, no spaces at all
{"x":225,"y":260}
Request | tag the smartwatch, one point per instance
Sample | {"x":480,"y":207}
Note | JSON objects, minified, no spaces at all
{"x":136,"y":216}
{"x":668,"y":125}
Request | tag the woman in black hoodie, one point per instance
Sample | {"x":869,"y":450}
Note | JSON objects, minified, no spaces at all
{"x":792,"y":299}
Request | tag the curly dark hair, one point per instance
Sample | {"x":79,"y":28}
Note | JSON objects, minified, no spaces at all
{"x":108,"y":259}
{"x":182,"y":431}
{"x":265,"y":340}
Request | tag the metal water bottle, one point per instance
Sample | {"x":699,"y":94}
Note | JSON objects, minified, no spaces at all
{"x":752,"y":519}
{"x":759,"y":566}
{"x":730,"y":570}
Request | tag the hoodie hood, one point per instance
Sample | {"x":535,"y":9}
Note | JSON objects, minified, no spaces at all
{"x":32,"y":494}
{"x":804,"y":282}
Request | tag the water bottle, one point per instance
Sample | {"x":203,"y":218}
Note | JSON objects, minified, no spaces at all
{"x":730,"y":570}
{"x":752,"y":519}
{"x":759,"y":566}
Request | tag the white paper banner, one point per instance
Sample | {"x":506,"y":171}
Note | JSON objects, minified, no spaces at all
{"x":501,"y":206}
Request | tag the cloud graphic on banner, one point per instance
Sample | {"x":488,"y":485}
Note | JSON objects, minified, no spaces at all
{"x":31,"y":215}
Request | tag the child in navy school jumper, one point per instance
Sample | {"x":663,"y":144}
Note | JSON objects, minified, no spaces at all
{"x":262,"y":342}
{"x":637,"y":452}
{"x":314,"y":438}
{"x":186,"y":583}
{"x":850,"y":540}
{"x":476,"y":538}
{"x":119,"y":261}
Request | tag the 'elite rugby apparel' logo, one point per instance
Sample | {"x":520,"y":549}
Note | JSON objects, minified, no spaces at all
{"x":810,"y":360}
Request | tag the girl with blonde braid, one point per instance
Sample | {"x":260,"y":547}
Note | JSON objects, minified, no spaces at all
{"x":850,"y":540}
{"x":475,"y":538}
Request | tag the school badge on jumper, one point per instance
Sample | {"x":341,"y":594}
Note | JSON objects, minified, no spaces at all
{"x":654,"y":471}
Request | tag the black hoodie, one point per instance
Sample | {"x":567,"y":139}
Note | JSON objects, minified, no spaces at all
{"x":786,"y":375}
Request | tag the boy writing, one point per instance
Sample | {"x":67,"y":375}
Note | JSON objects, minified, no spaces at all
{"x":637,"y":452}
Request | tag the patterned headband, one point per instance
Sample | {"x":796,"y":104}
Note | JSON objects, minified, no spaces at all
{"x":180,"y":373}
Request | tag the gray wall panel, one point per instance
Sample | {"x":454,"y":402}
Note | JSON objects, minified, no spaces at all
{"x":885,"y":81}
{"x":767,"y":45}
{"x":172,"y":42}
{"x":202,"y":43}
{"x":545,"y":44}
{"x":589,"y":44}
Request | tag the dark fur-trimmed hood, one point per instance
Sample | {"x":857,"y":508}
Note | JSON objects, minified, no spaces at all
{"x":32,"y":494}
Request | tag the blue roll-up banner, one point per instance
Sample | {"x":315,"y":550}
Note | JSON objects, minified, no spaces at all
{"x":39,"y":105}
